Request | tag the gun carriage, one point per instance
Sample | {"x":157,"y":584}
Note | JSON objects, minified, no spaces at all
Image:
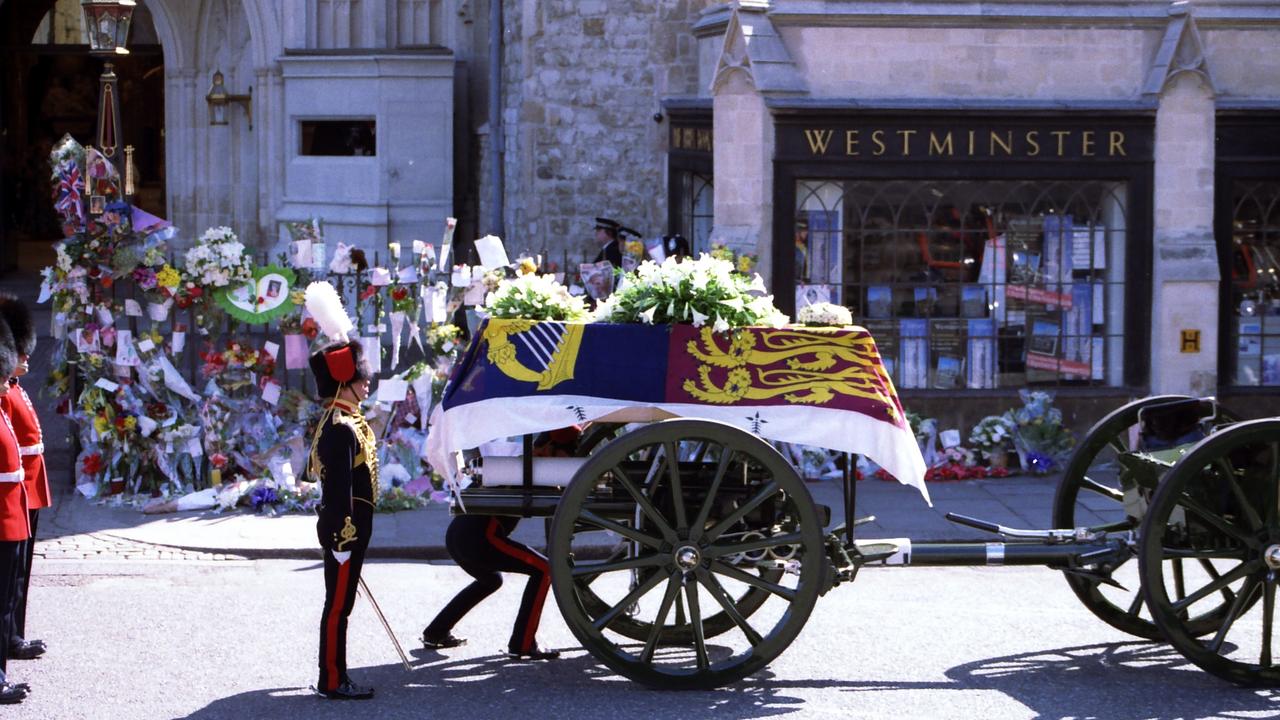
{"x":687,"y":552}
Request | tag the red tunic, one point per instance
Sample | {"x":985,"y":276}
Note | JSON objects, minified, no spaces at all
{"x":15,"y":521}
{"x":26,"y":425}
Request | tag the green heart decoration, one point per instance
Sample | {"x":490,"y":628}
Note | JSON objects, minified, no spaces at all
{"x":262,"y":299}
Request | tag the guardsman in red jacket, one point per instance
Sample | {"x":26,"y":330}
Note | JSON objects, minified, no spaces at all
{"x":26,"y":425}
{"x":15,"y":520}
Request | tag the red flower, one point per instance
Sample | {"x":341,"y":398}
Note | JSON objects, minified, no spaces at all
{"x":219,"y":460}
{"x":261,"y":300}
{"x":183,"y":302}
{"x":310,"y":328}
{"x":107,"y":282}
{"x":120,"y":422}
{"x":196,"y":291}
{"x":369,"y":292}
{"x":399,"y":293}
{"x":91,"y":464}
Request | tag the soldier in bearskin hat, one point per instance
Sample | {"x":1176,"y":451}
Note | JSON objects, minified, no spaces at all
{"x":344,"y":460}
{"x":15,"y":520}
{"x":26,"y":426}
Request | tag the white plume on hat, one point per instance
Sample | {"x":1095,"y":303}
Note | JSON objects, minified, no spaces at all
{"x":326,"y":307}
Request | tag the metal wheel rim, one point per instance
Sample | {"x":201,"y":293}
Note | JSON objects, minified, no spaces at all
{"x":1120,"y":608}
{"x":1247,"y":575}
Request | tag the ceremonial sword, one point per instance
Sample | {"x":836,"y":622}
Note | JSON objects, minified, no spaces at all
{"x":364,"y":587}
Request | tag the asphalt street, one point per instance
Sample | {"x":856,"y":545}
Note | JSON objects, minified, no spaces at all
{"x":237,"y":639}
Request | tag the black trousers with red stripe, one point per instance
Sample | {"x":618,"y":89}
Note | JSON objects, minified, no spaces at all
{"x":340,"y":582}
{"x":481,"y":546}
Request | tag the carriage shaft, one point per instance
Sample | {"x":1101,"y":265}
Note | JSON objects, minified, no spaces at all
{"x":996,"y":553}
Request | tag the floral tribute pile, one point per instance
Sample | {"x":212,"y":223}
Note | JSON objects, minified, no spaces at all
{"x":184,"y":392}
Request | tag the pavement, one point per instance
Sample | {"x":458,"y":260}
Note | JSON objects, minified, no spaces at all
{"x":79,"y":528}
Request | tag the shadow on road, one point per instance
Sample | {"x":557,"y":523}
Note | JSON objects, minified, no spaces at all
{"x":1105,"y":681}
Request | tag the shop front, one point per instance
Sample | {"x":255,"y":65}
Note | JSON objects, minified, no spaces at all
{"x":1248,"y":231}
{"x":985,"y":252}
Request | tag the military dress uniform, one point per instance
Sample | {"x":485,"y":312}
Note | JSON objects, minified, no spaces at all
{"x":344,"y":460}
{"x":612,"y":251}
{"x":17,"y":405}
{"x":15,"y":528}
{"x":482,"y":546}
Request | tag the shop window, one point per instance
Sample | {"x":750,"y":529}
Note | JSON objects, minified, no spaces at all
{"x":973,"y":284}
{"x":696,"y":217}
{"x":343,"y":138}
{"x":1255,"y":283}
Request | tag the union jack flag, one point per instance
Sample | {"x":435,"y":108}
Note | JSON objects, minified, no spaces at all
{"x":67,"y":198}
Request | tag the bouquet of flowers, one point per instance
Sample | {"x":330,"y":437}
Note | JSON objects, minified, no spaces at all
{"x":824,"y":314}
{"x":218,"y":259}
{"x":443,"y":338}
{"x":706,"y":290}
{"x":1042,"y":441}
{"x":534,"y":297}
{"x":993,"y":436}
{"x":744,"y":263}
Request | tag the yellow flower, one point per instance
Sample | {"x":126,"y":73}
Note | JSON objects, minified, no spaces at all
{"x":168,"y":277}
{"x":745,"y":263}
{"x":130,"y":422}
{"x":298,"y":297}
{"x":528,"y":266}
{"x":635,"y":248}
{"x":100,"y":424}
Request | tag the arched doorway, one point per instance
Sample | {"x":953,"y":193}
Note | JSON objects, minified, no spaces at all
{"x":49,"y":87}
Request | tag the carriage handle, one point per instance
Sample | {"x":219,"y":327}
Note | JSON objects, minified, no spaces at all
{"x":1070,"y":535}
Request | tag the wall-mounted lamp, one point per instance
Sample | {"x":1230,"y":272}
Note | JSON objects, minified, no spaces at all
{"x":218,"y":99}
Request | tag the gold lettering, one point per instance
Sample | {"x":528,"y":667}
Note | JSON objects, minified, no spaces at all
{"x":1117,"y":144}
{"x":688,"y":138}
{"x":1006,"y":143}
{"x":1062,"y":138}
{"x":877,"y":137}
{"x":818,"y":140}
{"x":1086,"y":143}
{"x":971,"y":143}
{"x":938,"y":148}
{"x":906,"y":141}
{"x":1035,"y":145}
{"x":851,"y":142}
{"x":675,"y":138}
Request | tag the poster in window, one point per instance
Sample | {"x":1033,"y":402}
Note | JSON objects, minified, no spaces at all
{"x":885,"y":334}
{"x":980,"y":361}
{"x":947,"y":350}
{"x":879,"y":301}
{"x":914,"y":352}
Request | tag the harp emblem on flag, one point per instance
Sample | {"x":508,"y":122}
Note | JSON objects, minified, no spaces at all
{"x":540,"y":352}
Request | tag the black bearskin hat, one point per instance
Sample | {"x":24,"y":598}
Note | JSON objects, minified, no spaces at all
{"x":337,"y":365}
{"x":18,"y":317}
{"x":8,"y":353}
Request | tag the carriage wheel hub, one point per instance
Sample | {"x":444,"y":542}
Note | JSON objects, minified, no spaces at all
{"x":688,"y":557}
{"x":1272,"y":557}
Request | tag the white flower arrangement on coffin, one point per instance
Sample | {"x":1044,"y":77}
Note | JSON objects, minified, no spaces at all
{"x":824,"y":314}
{"x":534,"y":297}
{"x":701,"y":291}
{"x":218,"y":259}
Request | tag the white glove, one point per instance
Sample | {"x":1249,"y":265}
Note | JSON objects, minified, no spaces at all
{"x":342,"y":557}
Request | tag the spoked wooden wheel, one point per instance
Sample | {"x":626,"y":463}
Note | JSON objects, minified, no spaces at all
{"x":678,"y":629}
{"x":1089,"y":495}
{"x":716,"y":516}
{"x":1217,"y":512}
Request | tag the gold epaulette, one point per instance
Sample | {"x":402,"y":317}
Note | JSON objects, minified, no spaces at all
{"x":368,"y":452}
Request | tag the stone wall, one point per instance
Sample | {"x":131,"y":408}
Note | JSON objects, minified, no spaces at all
{"x":583,"y":80}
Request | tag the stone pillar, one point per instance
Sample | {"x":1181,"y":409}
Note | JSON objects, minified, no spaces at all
{"x":1185,"y":259}
{"x":743,"y":157}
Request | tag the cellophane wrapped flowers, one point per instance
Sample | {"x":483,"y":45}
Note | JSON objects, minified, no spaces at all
{"x":218,"y":259}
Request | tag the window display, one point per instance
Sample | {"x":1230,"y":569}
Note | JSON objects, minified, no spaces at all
{"x":974,"y":284}
{"x":1255,"y":283}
